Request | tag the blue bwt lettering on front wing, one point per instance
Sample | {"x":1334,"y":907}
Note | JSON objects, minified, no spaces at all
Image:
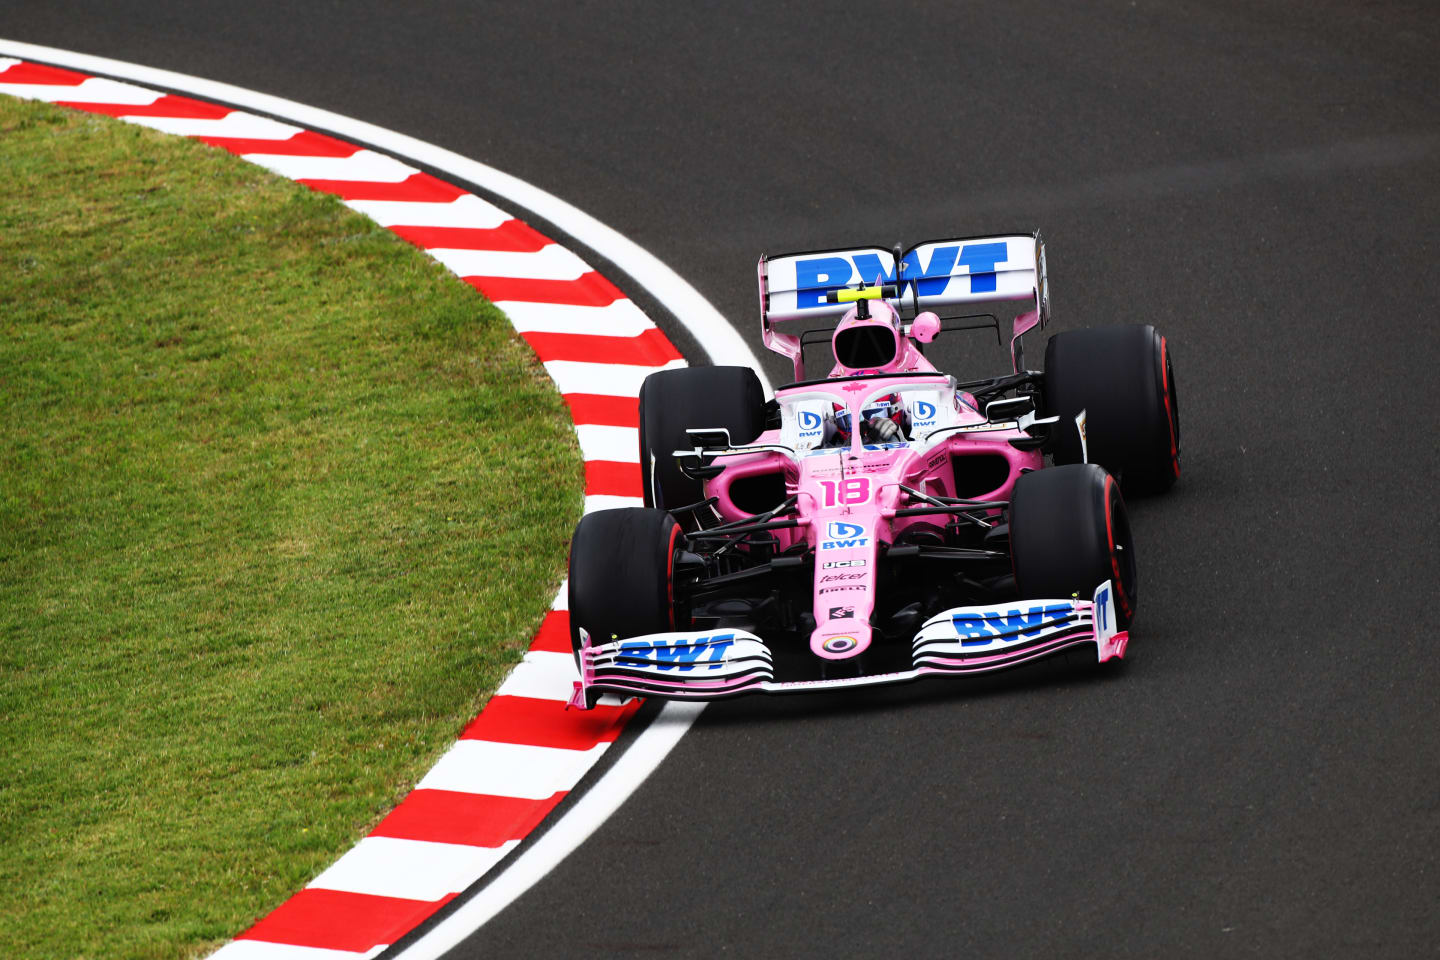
{"x":983,"y":629}
{"x":681,"y":656}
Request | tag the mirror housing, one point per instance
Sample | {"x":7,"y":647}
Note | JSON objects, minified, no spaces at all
{"x":709,"y":437}
{"x":925,"y":327}
{"x":1011,"y":408}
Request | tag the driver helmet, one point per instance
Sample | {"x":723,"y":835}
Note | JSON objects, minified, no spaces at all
{"x":868,"y":340}
{"x":887,"y":408}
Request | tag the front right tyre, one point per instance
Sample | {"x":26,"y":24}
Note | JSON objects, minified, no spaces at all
{"x":673,"y":401}
{"x":1123,"y":377}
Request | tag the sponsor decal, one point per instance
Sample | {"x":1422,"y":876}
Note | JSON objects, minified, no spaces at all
{"x":832,"y":564}
{"x":1102,"y":610}
{"x":846,"y":589}
{"x":707,"y":652}
{"x":816,"y":276}
{"x":922,"y":415}
{"x":842,"y":613}
{"x":841,"y":577}
{"x":838,"y":644}
{"x":977,"y":629}
{"x":840,"y":535}
{"x":810,"y":426}
{"x":935,"y":460}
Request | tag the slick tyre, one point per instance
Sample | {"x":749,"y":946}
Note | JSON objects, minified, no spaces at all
{"x":1124,"y":380}
{"x":622,"y":567}
{"x":673,"y":401}
{"x":1069,"y":533}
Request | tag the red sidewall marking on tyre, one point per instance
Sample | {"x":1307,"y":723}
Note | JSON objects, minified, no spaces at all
{"x":1110,"y":538}
{"x":517,"y":759}
{"x":1169,"y":414}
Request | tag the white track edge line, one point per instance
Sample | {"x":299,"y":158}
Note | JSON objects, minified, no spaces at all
{"x":699,"y":317}
{"x":593,"y":808}
{"x":690,"y":309}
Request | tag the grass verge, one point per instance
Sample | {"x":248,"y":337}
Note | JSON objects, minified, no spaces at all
{"x":280,"y":502}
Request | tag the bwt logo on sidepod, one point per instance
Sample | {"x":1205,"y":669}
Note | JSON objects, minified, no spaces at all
{"x":844,"y":536}
{"x":818,"y":275}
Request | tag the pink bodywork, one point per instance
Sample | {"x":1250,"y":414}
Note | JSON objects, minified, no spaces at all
{"x":843,"y":488}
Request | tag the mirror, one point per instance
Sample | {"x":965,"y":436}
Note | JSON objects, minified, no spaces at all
{"x":1011,"y":408}
{"x":709,"y":437}
{"x":925,"y":327}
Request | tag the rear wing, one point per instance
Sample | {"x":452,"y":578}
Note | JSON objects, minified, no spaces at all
{"x":937,"y":275}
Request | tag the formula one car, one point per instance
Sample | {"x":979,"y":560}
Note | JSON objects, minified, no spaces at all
{"x":883,"y":522}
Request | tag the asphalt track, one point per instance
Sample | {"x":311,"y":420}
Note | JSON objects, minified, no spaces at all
{"x":1260,"y":180}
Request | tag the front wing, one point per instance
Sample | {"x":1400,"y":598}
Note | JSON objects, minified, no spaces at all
{"x":708,"y":665}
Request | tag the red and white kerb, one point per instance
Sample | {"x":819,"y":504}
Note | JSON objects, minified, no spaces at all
{"x":525,"y":751}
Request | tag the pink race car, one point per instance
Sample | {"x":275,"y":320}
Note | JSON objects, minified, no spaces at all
{"x":883,"y":522}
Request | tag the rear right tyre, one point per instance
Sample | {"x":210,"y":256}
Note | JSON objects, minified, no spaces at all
{"x":673,"y":401}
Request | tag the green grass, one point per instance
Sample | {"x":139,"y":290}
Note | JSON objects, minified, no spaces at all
{"x":280,"y":502}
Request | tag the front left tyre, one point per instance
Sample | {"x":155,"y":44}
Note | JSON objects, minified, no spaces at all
{"x":622,"y":572}
{"x":1069,"y":533}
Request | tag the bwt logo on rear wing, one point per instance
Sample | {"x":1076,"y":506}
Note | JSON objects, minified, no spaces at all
{"x":931,"y":275}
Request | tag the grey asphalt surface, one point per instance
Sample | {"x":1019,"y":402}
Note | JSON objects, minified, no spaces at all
{"x":1262,"y":181}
